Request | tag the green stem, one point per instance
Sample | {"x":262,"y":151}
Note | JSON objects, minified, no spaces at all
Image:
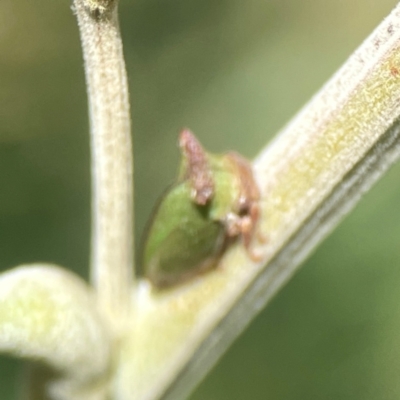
{"x":311,"y":175}
{"x":112,"y":170}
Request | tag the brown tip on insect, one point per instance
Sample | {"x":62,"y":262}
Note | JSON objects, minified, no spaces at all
{"x":198,"y":170}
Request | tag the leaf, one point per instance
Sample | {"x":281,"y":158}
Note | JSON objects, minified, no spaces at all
{"x":48,"y":314}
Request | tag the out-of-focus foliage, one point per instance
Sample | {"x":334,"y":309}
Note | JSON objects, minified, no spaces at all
{"x":234,"y":72}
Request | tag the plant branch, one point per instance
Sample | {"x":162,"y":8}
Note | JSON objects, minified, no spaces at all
{"x":112,"y":241}
{"x":313,"y":173}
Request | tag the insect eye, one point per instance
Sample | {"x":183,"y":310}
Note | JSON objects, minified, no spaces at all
{"x":244,"y":210}
{"x":244,"y":206}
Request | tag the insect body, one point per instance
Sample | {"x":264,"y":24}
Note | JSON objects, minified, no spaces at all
{"x":214,"y":200}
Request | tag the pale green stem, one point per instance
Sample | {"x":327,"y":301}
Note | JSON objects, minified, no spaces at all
{"x":112,"y":170}
{"x":312,"y":174}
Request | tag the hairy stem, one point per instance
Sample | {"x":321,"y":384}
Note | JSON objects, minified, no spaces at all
{"x":112,"y":170}
{"x":312,"y":174}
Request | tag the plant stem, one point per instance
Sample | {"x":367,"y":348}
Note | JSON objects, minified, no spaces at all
{"x":112,"y":167}
{"x":313,"y":174}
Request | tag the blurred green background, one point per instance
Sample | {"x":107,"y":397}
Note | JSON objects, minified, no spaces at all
{"x":235,"y":72}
